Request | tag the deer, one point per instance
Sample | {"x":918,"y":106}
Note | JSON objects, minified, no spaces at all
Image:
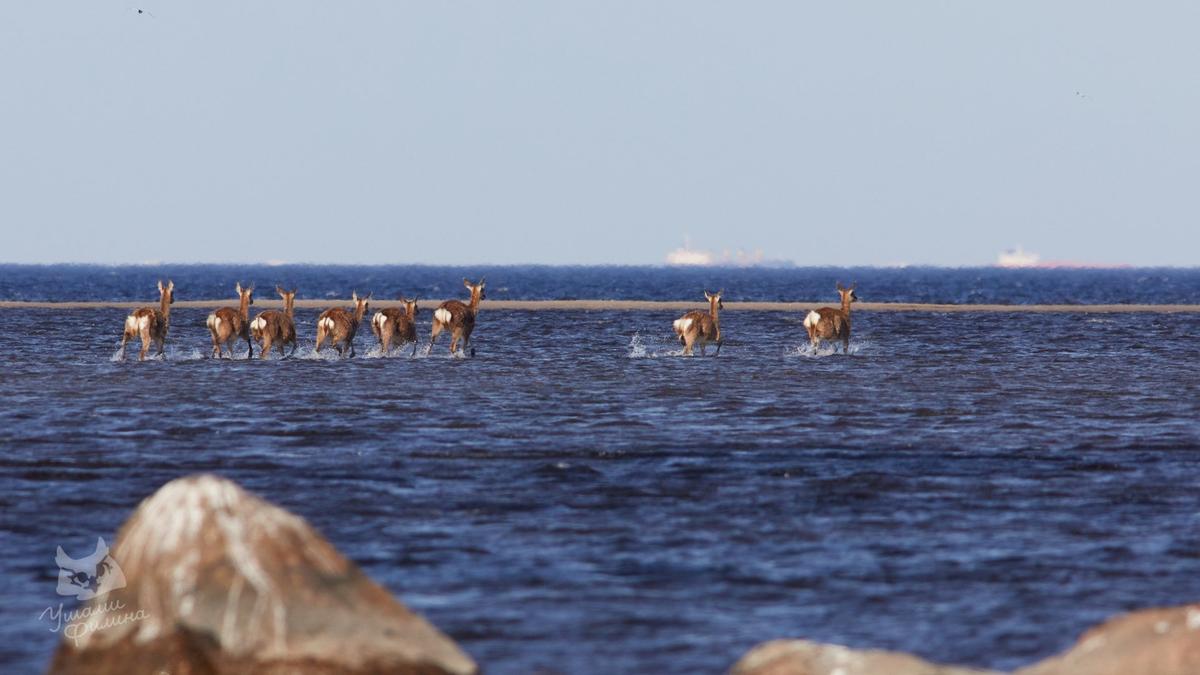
{"x":698,"y":327}
{"x":458,"y":318}
{"x":397,"y":323}
{"x":828,"y":323}
{"x":340,"y":326}
{"x":275,"y":328}
{"x":150,"y":324}
{"x":228,"y":323}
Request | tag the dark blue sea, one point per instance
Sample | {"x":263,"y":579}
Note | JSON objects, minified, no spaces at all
{"x":976,"y":487}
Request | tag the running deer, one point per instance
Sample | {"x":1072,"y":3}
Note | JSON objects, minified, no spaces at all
{"x":400,"y":324}
{"x":458,"y":318}
{"x":228,"y":323}
{"x":150,"y":324}
{"x":828,"y":323}
{"x":273,"y":327}
{"x":340,"y":326}
{"x":698,"y":327}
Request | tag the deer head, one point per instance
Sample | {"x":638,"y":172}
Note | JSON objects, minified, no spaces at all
{"x":360,"y":305}
{"x":410,"y":307}
{"x":289,"y":297}
{"x":714,"y":299}
{"x":246,"y":295}
{"x":847,"y":294}
{"x":476,"y":290}
{"x":167,"y":293}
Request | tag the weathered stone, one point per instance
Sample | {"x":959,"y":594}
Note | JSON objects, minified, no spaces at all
{"x":220,"y":581}
{"x":800,"y":657}
{"x":1149,"y":642}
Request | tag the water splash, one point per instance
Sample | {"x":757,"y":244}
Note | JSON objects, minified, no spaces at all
{"x":827,"y":348}
{"x":637,"y":350}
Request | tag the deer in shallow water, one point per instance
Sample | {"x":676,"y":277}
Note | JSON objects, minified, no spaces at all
{"x":273,"y":327}
{"x":698,"y":327}
{"x":228,"y":323}
{"x":828,"y":323}
{"x":398,"y":324}
{"x":458,"y":318}
{"x":150,"y":324}
{"x":340,"y":326}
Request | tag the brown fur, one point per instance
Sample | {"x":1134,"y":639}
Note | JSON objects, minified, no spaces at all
{"x":700,"y":328}
{"x":398,"y":324}
{"x":828,"y":323}
{"x":340,"y":326}
{"x":462,"y":318}
{"x":226,"y":323}
{"x":150,"y":324}
{"x":276,"y":328}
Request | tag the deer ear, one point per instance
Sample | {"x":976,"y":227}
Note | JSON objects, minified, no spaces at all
{"x":170,"y":285}
{"x":295,"y":289}
{"x":482,"y":282}
{"x":466,"y":282}
{"x":278,"y":289}
{"x":238,"y":288}
{"x":354,"y":296}
{"x":160,"y":286}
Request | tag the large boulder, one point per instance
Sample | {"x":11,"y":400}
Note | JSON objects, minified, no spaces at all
{"x":220,"y":581}
{"x":800,"y":657}
{"x":1149,"y":642}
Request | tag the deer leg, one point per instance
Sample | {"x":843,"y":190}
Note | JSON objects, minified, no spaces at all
{"x":250,"y":346}
{"x":145,"y":345}
{"x":719,"y":343}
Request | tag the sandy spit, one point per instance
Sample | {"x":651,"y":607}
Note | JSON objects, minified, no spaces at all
{"x":629,"y":305}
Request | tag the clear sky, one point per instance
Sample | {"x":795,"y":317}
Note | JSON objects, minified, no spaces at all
{"x":598,"y":132}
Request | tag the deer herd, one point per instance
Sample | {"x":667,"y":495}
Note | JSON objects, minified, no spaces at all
{"x":398,"y":327}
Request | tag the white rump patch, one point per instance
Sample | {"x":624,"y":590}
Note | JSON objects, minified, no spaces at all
{"x":380,"y":319}
{"x":214,"y":322}
{"x":259,"y":323}
{"x":130,"y":322}
{"x":442,"y":314}
{"x":326,"y":323}
{"x":682,"y":325}
{"x":144,"y":323}
{"x":812,"y":319}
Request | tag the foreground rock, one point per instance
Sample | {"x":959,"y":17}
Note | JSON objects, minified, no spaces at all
{"x":1150,"y":642}
{"x":800,"y":657}
{"x":220,"y":581}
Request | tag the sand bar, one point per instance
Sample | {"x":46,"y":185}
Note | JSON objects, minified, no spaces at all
{"x":626,"y":305}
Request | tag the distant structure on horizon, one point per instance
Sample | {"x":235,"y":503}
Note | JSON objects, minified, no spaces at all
{"x":686,"y":256}
{"x":1017,"y":258}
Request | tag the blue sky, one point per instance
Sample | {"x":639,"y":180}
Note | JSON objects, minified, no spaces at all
{"x":828,"y":133}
